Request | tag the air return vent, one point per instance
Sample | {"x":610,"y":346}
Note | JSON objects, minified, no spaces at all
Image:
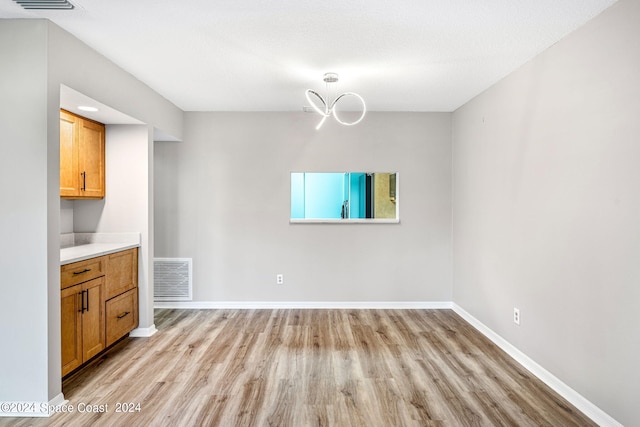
{"x":172,"y":279}
{"x":45,"y":4}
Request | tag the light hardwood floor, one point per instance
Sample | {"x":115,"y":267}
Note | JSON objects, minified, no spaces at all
{"x":311,"y":368}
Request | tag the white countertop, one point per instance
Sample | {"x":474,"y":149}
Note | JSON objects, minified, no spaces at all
{"x":91,"y":245}
{"x":91,"y":250}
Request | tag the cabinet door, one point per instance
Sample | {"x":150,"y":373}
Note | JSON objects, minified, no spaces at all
{"x":122,"y":272}
{"x":71,"y":328}
{"x":93,"y":318}
{"x":91,"y":159}
{"x":69,"y":132}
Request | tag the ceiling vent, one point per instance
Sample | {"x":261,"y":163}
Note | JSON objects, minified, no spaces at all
{"x":45,"y":4}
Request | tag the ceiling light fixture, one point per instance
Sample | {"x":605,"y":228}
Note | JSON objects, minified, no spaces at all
{"x":328,"y":107}
{"x":87,"y":108}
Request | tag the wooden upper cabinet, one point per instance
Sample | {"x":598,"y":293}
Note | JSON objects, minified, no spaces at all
{"x":82,"y":157}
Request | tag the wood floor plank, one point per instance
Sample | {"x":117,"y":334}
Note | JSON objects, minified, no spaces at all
{"x":311,"y":368}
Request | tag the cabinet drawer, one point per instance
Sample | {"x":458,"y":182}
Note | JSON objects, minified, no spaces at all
{"x":122,"y":315}
{"x":81,"y":271}
{"x":122,"y":272}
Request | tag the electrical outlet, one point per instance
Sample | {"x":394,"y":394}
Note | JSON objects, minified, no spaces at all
{"x":516,"y":316}
{"x":280,"y":279}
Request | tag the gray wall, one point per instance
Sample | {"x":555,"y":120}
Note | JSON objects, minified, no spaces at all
{"x":74,"y":64}
{"x":24,"y":263}
{"x":546,"y":209}
{"x":222,"y":198}
{"x":37,"y":57}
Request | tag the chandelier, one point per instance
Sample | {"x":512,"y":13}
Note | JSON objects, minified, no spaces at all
{"x":326,"y":107}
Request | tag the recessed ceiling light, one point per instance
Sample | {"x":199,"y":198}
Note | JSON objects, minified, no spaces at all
{"x":86,"y":108}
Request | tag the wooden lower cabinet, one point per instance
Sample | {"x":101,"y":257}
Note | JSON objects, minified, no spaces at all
{"x":97,"y":311}
{"x":122,"y":315}
{"x":82,"y":323}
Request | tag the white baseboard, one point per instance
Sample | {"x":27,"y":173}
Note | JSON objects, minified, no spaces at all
{"x":32,"y":409}
{"x":57,"y":402}
{"x":576,"y":399}
{"x":305,"y":304}
{"x":143,"y":332}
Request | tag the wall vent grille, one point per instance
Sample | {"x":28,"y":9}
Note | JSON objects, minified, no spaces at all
{"x":172,"y":279}
{"x":45,"y":4}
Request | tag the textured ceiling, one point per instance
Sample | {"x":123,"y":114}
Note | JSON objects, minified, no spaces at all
{"x":256,"y":55}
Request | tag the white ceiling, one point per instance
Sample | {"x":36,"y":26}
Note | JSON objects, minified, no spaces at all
{"x":257,"y":55}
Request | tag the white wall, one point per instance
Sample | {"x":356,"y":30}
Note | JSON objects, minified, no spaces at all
{"x":66,"y":216}
{"x":222,"y":198}
{"x":128,"y":204}
{"x":23,"y":212}
{"x":546,"y":209}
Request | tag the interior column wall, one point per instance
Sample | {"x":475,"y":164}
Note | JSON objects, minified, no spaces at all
{"x":24,"y":214}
